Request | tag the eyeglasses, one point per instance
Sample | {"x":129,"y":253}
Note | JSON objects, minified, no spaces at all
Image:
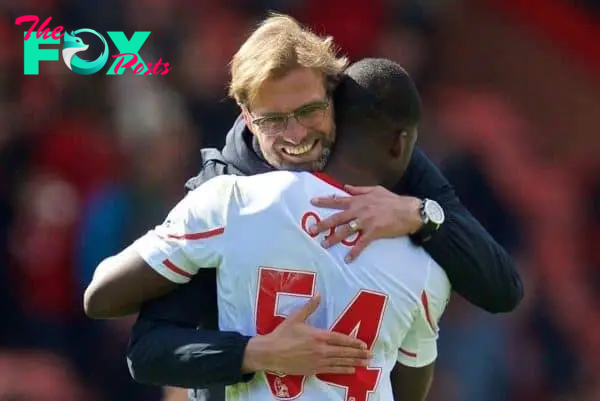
{"x":308,"y":116}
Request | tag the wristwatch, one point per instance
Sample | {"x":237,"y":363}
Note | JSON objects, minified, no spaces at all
{"x":432,"y":218}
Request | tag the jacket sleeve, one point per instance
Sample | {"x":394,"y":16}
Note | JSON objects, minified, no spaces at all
{"x":479,"y":269}
{"x":166,"y":347}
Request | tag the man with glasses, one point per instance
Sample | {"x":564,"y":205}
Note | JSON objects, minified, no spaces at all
{"x":308,"y":116}
{"x":283,"y":78}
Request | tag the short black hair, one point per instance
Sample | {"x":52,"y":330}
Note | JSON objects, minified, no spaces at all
{"x":377,"y":110}
{"x":374,"y":91}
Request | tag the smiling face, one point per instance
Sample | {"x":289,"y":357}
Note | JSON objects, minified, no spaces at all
{"x":292,"y":118}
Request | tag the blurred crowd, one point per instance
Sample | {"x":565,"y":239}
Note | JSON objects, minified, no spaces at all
{"x":88,"y":163}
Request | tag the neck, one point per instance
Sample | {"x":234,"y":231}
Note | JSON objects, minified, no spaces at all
{"x":360,"y":176}
{"x":351,"y":175}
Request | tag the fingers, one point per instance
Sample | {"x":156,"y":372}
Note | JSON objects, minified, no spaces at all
{"x":342,"y":340}
{"x":363,"y":241}
{"x":347,"y":362}
{"x":357,"y":356}
{"x":352,"y":190}
{"x":306,"y":310}
{"x":341,"y":233}
{"x":332,"y":202}
{"x":341,"y":370}
{"x":344,"y":360}
{"x":335,"y":220}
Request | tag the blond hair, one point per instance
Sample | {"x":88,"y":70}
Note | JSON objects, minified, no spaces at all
{"x":276,"y":47}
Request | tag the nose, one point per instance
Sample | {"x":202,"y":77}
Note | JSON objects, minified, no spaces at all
{"x":295,"y":133}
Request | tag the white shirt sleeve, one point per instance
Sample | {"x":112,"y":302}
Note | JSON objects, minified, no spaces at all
{"x":192,"y":236}
{"x":419,"y":347}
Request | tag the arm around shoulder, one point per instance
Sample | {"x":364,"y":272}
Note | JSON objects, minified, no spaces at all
{"x":478,"y":267}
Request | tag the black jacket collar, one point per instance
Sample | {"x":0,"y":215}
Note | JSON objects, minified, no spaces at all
{"x":242,"y":151}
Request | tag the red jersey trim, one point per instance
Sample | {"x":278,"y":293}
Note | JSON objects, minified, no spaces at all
{"x":329,"y":180}
{"x":200,"y":235}
{"x":425,"y":301}
{"x":408,"y":353}
{"x":171,"y":266}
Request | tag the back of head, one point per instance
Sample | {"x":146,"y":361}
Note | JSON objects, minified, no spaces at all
{"x":279,"y":45}
{"x":381,"y":87}
{"x":378,"y":108}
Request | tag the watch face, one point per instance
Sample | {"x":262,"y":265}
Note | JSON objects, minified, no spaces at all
{"x":434,"y":211}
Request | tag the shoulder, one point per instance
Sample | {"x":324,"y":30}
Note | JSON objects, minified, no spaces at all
{"x":432,"y":272}
{"x":204,"y":208}
{"x":213,"y":165}
{"x":406,"y":260}
{"x":273,"y":179}
{"x":216,"y":189}
{"x":266,"y":187}
{"x":437,"y":289}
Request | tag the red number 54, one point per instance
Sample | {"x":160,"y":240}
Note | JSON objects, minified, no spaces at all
{"x":361,"y":317}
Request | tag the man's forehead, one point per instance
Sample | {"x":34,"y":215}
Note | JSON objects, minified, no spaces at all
{"x":279,"y":111}
{"x":294,"y":90}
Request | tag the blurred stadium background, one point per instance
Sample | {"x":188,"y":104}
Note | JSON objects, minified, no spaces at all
{"x":87,"y":163}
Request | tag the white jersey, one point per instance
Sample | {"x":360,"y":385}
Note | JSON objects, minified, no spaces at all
{"x":254,"y":230}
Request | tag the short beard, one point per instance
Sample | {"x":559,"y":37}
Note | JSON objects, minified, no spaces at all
{"x":322,"y":161}
{"x":316,"y":165}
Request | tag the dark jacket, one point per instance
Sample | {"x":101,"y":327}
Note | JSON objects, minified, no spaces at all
{"x":166,"y":348}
